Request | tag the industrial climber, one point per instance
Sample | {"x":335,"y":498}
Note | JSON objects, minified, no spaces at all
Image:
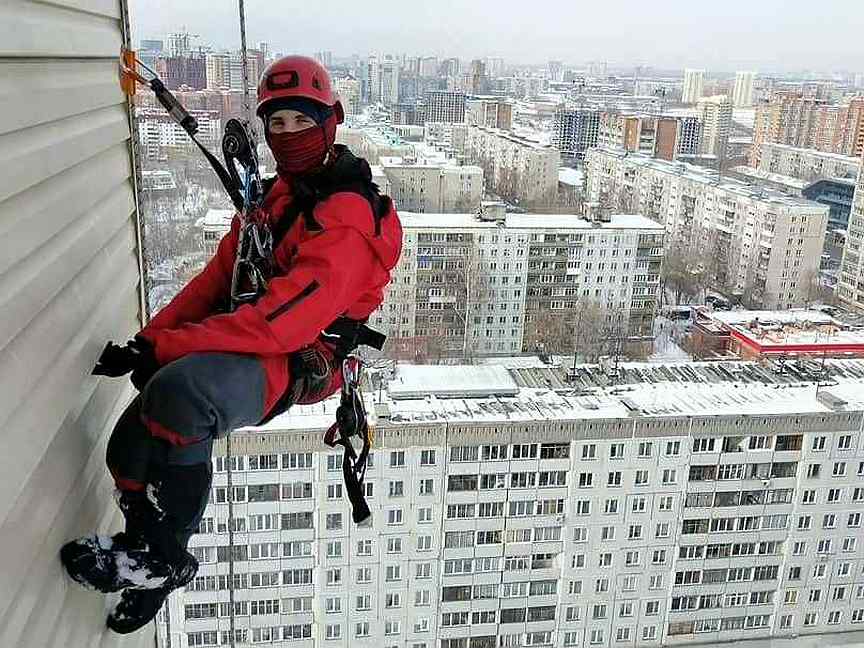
{"x":205,"y":368}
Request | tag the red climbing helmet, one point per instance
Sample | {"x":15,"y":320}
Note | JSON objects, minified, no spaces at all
{"x":298,"y":76}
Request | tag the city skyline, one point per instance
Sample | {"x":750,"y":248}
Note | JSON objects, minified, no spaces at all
{"x":677,"y":38}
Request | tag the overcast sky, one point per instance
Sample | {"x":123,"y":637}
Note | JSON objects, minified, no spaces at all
{"x":720,"y":35}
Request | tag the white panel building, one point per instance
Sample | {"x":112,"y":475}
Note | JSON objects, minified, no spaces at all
{"x":669,"y":505}
{"x":762,"y":245}
{"x":806,"y":163}
{"x":467,"y":281}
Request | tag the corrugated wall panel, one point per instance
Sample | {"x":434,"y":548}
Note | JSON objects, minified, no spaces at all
{"x":68,"y":282}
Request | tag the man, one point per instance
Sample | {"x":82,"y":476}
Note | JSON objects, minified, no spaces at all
{"x":204,"y":370}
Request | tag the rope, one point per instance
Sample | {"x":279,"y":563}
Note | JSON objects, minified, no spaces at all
{"x":231,"y":620}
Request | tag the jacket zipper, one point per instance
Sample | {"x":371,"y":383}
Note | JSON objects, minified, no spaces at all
{"x":296,"y":299}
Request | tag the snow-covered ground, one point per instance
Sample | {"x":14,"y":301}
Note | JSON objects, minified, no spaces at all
{"x":668,"y":336}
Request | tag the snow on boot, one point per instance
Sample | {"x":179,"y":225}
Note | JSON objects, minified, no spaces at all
{"x":109,"y":564}
{"x":137,"y":607}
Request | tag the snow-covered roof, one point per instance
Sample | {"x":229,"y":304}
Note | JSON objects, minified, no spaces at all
{"x":571,"y":221}
{"x":493,"y":393}
{"x":416,"y":381}
{"x":798,"y":330}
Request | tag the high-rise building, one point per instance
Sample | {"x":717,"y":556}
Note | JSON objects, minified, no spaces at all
{"x":325,"y":58}
{"x":383,"y":75}
{"x":850,"y":287}
{"x":689,"y":136}
{"x":445,"y":106}
{"x":493,"y":112}
{"x":788,"y":118}
{"x":515,"y":168}
{"x":235,"y":70}
{"x":495,"y":67}
{"x":218,"y":70}
{"x":180,"y":44}
{"x":348,"y":89}
{"x":657,"y":501}
{"x":152,"y":45}
{"x":657,"y":136}
{"x":190,"y":71}
{"x":761,"y":246}
{"x":576,"y":131}
{"x":691,"y":90}
{"x":742,"y":95}
{"x":715,"y":113}
{"x":429,"y":67}
{"x":555,"y":71}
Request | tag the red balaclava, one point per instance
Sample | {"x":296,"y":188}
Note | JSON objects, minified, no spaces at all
{"x":304,"y":151}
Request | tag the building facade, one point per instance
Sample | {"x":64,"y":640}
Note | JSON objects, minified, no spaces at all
{"x":742,"y":94}
{"x":348,"y":89}
{"x":493,"y":112}
{"x":444,"y":106}
{"x":576,"y":131}
{"x":657,"y":136}
{"x":468,"y":282}
{"x":159,"y":135}
{"x":436,"y":188}
{"x":673,"y":507}
{"x":806,"y":163}
{"x":850,"y":287}
{"x":807,"y":122}
{"x":759,"y":245}
{"x":715,"y":113}
{"x":694,"y":82}
{"x":515,"y":168}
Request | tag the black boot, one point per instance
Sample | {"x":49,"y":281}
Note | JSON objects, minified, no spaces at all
{"x":109,"y":564}
{"x":137,"y":607}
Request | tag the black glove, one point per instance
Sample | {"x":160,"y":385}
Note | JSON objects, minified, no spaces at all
{"x":137,"y":356}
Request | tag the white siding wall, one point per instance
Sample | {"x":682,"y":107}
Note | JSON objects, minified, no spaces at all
{"x":68,"y":281}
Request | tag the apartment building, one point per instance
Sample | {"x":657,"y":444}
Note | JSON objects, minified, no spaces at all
{"x":444,"y":106}
{"x":160,"y":135}
{"x":806,"y":163}
{"x":437,"y":187}
{"x":715,"y":113}
{"x":576,"y":131}
{"x":800,"y":121}
{"x":515,"y":168}
{"x":759,"y":245}
{"x":466,"y":282}
{"x":349,"y":91}
{"x":493,"y":112}
{"x":742,"y":95}
{"x":850,"y":287}
{"x":692,"y":87}
{"x":536,"y":506}
{"x":657,"y":136}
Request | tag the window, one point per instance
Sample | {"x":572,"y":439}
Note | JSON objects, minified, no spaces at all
{"x":586,"y":480}
{"x":333,"y":631}
{"x":361,"y":629}
{"x":397,"y":458}
{"x":334,"y":576}
{"x":427,"y":457}
{"x":703,"y":445}
{"x":589,"y":451}
{"x":818,"y":443}
{"x":645,"y":448}
{"x":333,"y":521}
{"x":616,"y":451}
{"x":839,"y":469}
{"x":424,"y":515}
{"x":641,"y":478}
{"x":333,"y":605}
{"x":394,"y":516}
{"x":363,"y":603}
{"x":397,"y":488}
{"x":334,"y":491}
{"x":614,"y":479}
{"x":393,"y":573}
{"x":673,"y":448}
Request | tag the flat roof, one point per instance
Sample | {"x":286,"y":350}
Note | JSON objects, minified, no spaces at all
{"x":792,"y":331}
{"x":812,"y":152}
{"x":497,"y":394}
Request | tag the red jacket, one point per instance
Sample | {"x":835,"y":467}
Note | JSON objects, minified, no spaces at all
{"x":319,"y":276}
